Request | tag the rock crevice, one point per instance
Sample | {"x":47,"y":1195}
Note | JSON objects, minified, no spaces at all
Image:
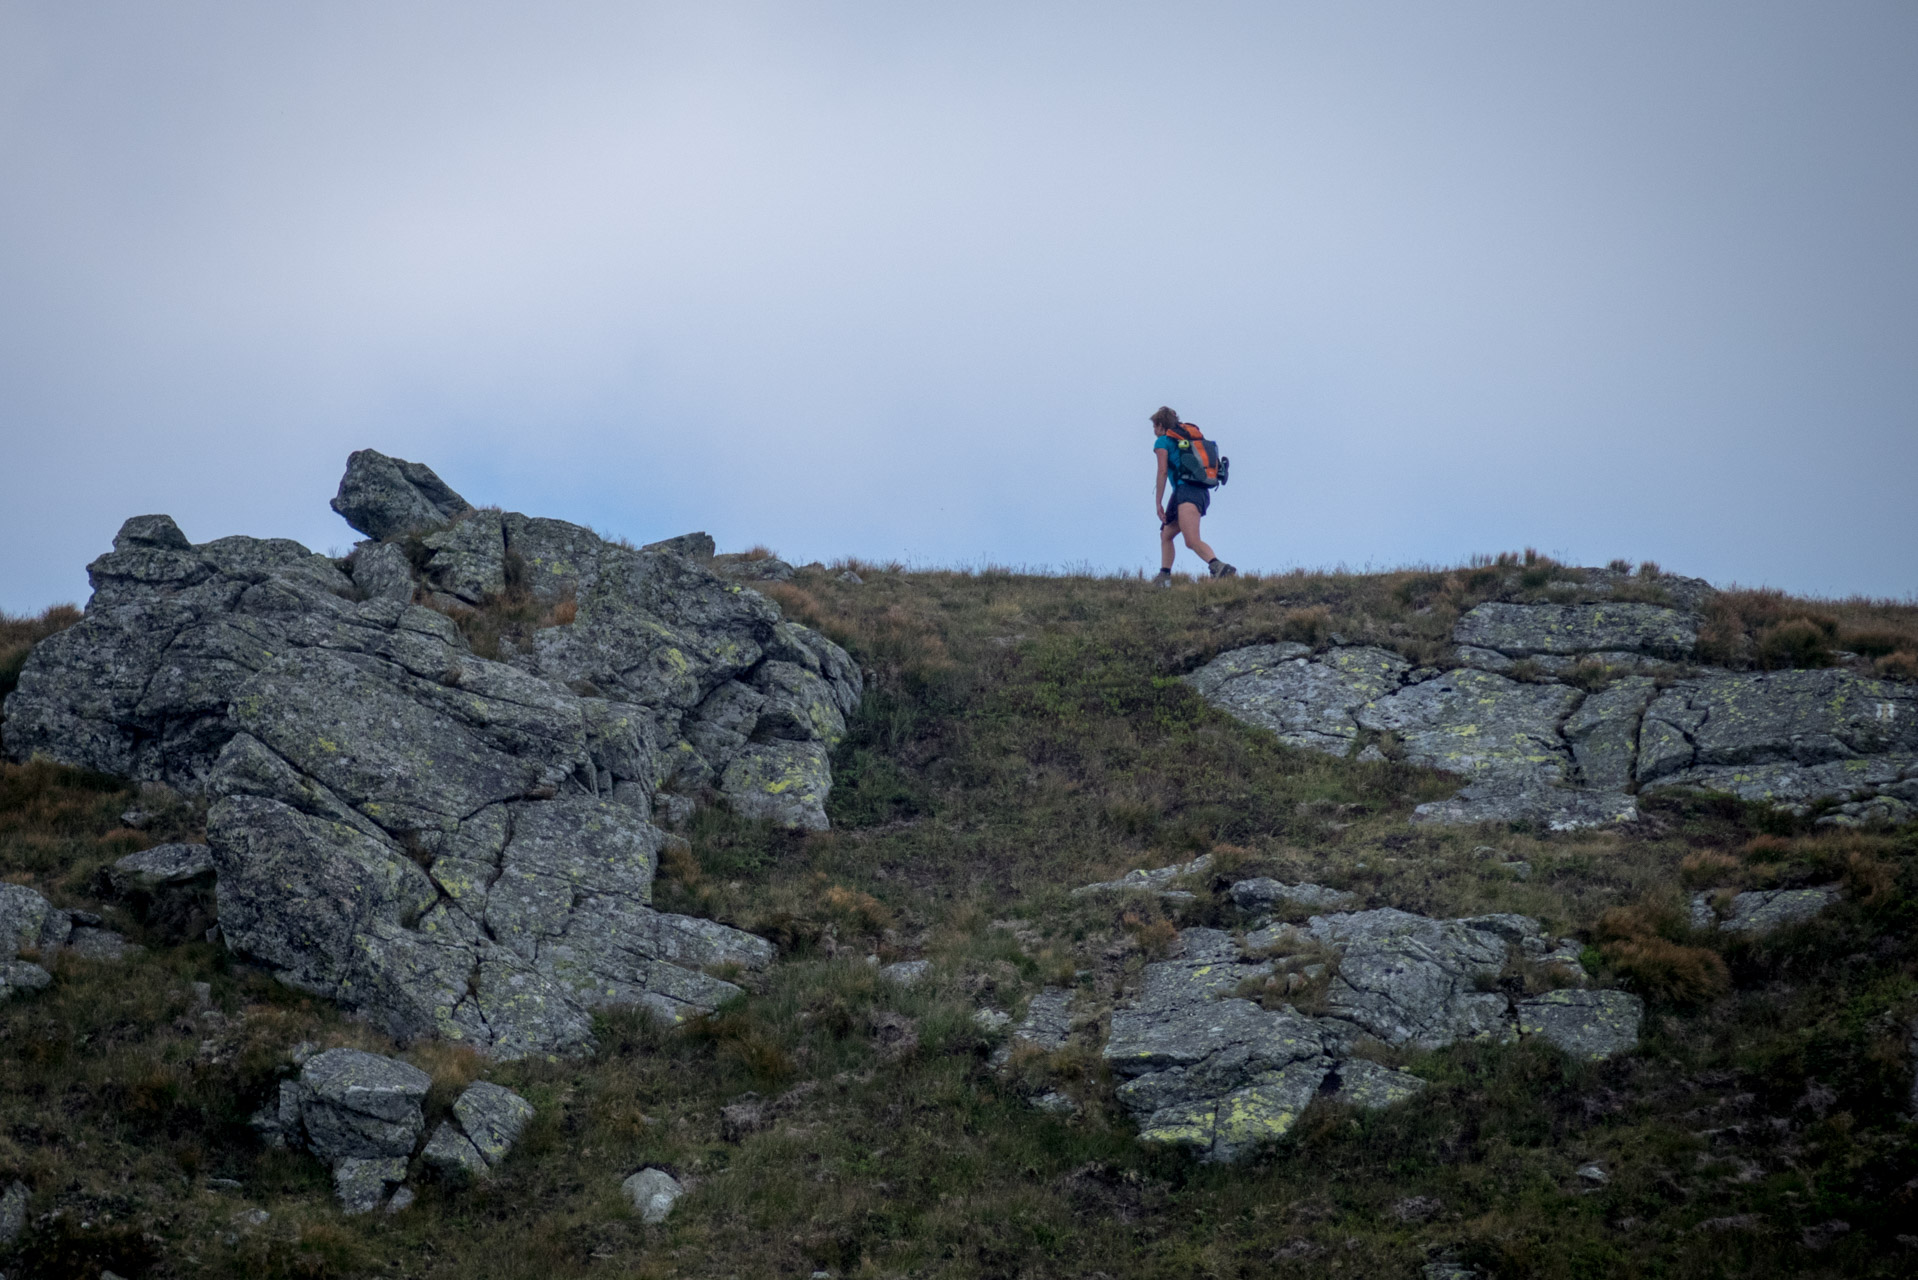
{"x":457,"y":845}
{"x":1542,"y":750}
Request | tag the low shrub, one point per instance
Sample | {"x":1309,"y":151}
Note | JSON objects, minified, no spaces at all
{"x":1669,"y":972}
{"x":1874,"y":643}
{"x":1642,"y":944}
{"x":1902,"y":665}
{"x":1307,"y":626}
{"x":1709,"y":867}
{"x":855,"y":912}
{"x":1796,"y":642}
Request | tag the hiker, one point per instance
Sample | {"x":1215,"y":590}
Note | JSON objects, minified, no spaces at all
{"x":1194,"y":464}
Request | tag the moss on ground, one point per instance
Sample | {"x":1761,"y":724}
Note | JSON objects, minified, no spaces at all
{"x":1024,"y":735}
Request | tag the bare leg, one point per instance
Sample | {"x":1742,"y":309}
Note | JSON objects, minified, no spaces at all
{"x":1189,"y":526}
{"x":1167,"y":547}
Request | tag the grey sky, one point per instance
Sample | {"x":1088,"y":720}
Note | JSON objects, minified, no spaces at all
{"x":905,"y":280}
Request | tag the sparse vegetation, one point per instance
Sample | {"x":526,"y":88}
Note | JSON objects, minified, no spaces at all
{"x":1023,"y":735}
{"x":18,"y":635}
{"x":1771,"y":630}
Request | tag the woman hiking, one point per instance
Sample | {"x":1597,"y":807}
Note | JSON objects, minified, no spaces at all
{"x":1189,"y":500}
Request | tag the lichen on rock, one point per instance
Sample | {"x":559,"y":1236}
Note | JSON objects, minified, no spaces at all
{"x":1547,"y":752}
{"x":455,"y":844}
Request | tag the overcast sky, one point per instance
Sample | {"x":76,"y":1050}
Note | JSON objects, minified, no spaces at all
{"x":904,"y":281}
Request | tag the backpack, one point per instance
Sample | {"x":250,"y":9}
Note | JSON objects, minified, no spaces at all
{"x":1197,"y":459}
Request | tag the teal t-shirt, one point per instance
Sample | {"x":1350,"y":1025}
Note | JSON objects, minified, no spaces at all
{"x":1171,"y":448}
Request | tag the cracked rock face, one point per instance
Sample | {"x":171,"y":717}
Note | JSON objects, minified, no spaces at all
{"x":1307,"y":701}
{"x":487,"y":1120}
{"x":383,"y":497}
{"x":1547,"y":752}
{"x":455,"y":845}
{"x":1211,"y":1071}
{"x":28,"y":922}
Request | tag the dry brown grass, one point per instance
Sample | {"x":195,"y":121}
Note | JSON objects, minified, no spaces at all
{"x":19,"y":633}
{"x":1642,"y":944}
{"x":1669,"y":972}
{"x":1770,"y":630}
{"x":1021,"y":736}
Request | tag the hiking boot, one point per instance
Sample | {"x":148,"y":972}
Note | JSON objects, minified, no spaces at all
{"x":1165,"y":578}
{"x":1220,"y":569}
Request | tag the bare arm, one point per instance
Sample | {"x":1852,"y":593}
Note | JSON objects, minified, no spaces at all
{"x":1158,"y":491}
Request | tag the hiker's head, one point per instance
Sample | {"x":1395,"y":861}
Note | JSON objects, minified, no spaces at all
{"x":1164,"y":420}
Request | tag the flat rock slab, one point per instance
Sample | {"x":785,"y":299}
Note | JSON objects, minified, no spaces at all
{"x":1525,"y":630}
{"x":1046,"y":1027}
{"x":22,"y":975}
{"x":1761,"y":734}
{"x":163,"y":866}
{"x":1505,"y":800}
{"x":1266,"y":894}
{"x":13,"y":1212}
{"x":1408,"y":979}
{"x":1308,"y":701}
{"x":906,"y":973}
{"x":1370,"y":1087}
{"x":1156,"y":880}
{"x":1546,"y":753}
{"x":1593,"y":1025}
{"x":1478,"y":723}
{"x":1762,"y":910}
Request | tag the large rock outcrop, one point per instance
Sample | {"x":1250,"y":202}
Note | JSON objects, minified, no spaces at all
{"x":458,"y":845}
{"x":1210,"y":1068}
{"x":1537,"y":748}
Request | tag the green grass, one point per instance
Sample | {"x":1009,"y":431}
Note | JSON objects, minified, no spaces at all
{"x":1023,"y":735}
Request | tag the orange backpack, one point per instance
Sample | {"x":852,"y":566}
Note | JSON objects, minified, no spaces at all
{"x":1197,"y":459}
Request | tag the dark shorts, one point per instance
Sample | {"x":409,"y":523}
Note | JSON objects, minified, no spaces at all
{"x":1200,"y":498}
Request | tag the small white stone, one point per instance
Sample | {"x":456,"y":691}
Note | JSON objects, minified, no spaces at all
{"x":653,"y":1193}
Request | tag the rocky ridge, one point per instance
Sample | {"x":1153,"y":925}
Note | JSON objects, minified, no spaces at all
{"x":455,"y":844}
{"x":1208,"y":1065}
{"x":1539,"y":748}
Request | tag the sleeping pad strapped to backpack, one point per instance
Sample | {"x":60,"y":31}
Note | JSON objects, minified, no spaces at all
{"x":1199,"y":461}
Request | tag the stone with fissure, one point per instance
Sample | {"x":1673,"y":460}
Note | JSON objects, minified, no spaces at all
{"x":1586,"y":1024}
{"x":384,"y":497}
{"x":1603,"y":733}
{"x":359,"y":1104}
{"x":493,"y":1118}
{"x":453,"y":1155}
{"x":1208,"y":1070}
{"x":347,"y":743}
{"x":1541,"y":752}
{"x":360,"y":1183}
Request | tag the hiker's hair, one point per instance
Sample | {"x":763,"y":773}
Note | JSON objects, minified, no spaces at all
{"x":1165,"y":417}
